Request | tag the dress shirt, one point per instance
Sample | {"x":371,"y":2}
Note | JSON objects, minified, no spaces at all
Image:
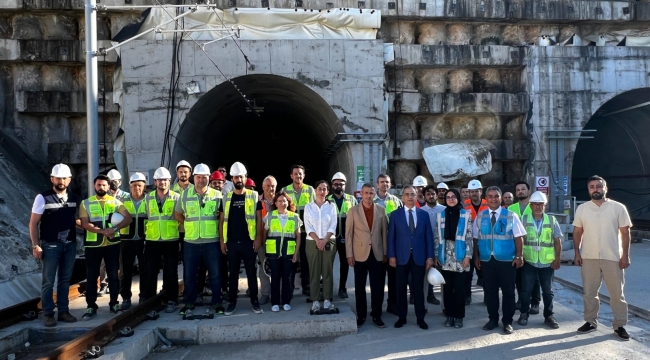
{"x":415,"y":215}
{"x":321,"y":220}
{"x":517,"y":227}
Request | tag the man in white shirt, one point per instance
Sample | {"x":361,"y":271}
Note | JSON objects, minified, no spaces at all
{"x":498,"y":251}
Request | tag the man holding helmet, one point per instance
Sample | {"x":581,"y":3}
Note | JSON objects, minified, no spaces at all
{"x":115,"y":181}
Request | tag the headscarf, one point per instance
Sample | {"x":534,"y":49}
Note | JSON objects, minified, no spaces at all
{"x":452,"y":215}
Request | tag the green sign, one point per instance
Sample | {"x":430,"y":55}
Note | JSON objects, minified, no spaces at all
{"x":360,"y":174}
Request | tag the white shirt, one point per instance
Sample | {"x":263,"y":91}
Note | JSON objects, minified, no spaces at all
{"x":415,"y":215}
{"x":517,"y":227}
{"x":39,"y":203}
{"x":320,"y":220}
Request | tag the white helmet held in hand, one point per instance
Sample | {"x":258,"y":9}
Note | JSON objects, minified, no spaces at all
{"x":420,"y":181}
{"x":183,"y":163}
{"x":202,"y":169}
{"x":538,"y":197}
{"x":138,"y":177}
{"x":339,"y":176}
{"x":474,"y":185}
{"x":237,"y":169}
{"x":116,"y":218}
{"x":162,"y":173}
{"x":114,"y":175}
{"x":61,"y":171}
{"x":435,"y":277}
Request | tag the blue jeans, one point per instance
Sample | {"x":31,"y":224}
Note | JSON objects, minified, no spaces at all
{"x":57,"y":257}
{"x":529,"y":277}
{"x":192,"y":255}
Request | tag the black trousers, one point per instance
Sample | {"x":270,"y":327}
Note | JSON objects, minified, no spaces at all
{"x":154,"y":251}
{"x":453,"y":293}
{"x":304,"y":265}
{"x":94,"y":256}
{"x":223,"y":272}
{"x":344,"y":268}
{"x":238,"y":251}
{"x":468,"y":277}
{"x":499,"y":275}
{"x":535,"y":294}
{"x":391,"y":298}
{"x":402,"y":275}
{"x":129,"y":251}
{"x":375,"y":270}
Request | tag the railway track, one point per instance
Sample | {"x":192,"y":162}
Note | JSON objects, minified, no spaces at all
{"x":29,"y":309}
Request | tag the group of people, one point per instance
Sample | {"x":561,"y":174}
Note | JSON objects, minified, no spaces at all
{"x":219,"y":224}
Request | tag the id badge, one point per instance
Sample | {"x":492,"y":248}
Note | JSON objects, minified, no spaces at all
{"x":537,"y":248}
{"x":63,"y":235}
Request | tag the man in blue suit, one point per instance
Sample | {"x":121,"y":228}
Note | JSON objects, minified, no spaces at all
{"x":410,"y":250}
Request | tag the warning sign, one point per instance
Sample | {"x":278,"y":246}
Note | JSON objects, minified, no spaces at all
{"x":541,"y":184}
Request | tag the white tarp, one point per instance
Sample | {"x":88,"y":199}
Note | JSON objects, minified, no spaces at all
{"x":448,"y":161}
{"x":273,"y":24}
{"x":611,"y":38}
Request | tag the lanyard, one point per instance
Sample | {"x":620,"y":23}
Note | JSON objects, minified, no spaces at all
{"x":539,"y":229}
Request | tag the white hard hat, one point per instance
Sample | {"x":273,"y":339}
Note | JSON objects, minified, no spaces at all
{"x":237,"y":169}
{"x":538,"y":197}
{"x":435,"y":277}
{"x":202,"y":169}
{"x":475,"y":185}
{"x":137,"y":177}
{"x":183,"y":163}
{"x":114,"y":175}
{"x":420,"y":181}
{"x":161,"y":173}
{"x":116,"y":218}
{"x":61,"y":171}
{"x":339,"y":176}
{"x":443,"y":186}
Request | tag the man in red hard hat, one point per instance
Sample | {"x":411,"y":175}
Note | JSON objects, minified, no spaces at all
{"x":217,"y":180}
{"x":250,"y":184}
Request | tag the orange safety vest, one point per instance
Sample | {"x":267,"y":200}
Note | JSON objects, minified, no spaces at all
{"x":469,"y":207}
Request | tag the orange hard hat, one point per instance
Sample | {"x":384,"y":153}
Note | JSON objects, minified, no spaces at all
{"x":217,"y":176}
{"x":250,"y":183}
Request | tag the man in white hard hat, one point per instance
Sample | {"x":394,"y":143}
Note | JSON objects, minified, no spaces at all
{"x":241,"y":231}
{"x":433,"y":208}
{"x":344,"y":202}
{"x":115,"y":183}
{"x":183,"y":171}
{"x":54,"y":242}
{"x":442,"y":190}
{"x":98,"y":218}
{"x":542,"y":253}
{"x":301,"y":195}
{"x":198,"y":210}
{"x":132,"y":243}
{"x":419,"y":183}
{"x":161,"y":239}
{"x":474,"y":205}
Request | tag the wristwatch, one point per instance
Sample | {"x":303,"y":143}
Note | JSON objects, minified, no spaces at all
{"x":519,"y":258}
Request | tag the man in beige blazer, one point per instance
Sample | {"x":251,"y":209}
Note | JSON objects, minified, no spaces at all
{"x":365,"y":246}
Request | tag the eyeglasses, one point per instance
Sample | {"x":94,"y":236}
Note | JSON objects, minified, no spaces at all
{"x":451,"y":198}
{"x":337,"y":185}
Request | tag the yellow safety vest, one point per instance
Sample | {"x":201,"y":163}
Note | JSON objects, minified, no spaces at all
{"x":250,"y":199}
{"x":101,"y":218}
{"x":161,"y":224}
{"x":275,"y":245}
{"x":306,"y":195}
{"x":201,"y":216}
{"x":539,"y":248}
{"x":139,"y":219}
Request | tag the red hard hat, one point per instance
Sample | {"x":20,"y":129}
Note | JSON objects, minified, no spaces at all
{"x":250,"y":182}
{"x":217,"y":176}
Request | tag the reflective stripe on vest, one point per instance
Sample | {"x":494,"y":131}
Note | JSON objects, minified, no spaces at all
{"x":250,"y":199}
{"x":546,"y":253}
{"x":460,"y":249}
{"x":201,"y":217}
{"x":498,"y":239}
{"x":470,"y":207}
{"x":101,"y":218}
{"x":305,"y":196}
{"x":277,"y":234}
{"x":517,"y":210}
{"x":342,"y":212}
{"x":136,"y":214}
{"x":161,"y":225}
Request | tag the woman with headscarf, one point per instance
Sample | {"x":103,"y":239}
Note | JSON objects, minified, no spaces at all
{"x":453,"y":249}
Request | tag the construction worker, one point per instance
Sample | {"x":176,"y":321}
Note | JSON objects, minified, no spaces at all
{"x":132,"y":239}
{"x":343,"y":203}
{"x":442,"y":190}
{"x":508,"y":199}
{"x":241,"y":229}
{"x":301,"y":195}
{"x":498,"y":250}
{"x":250,"y":184}
{"x":114,"y":185}
{"x":266,"y":198}
{"x":433,"y":208}
{"x":217,"y":180}
{"x":102,"y":243}
{"x":54,"y":242}
{"x":183,"y":171}
{"x":198,"y":209}
{"x":542,"y":253}
{"x":474,"y":205}
{"x":419,"y":183}
{"x":161,"y":236}
{"x":390,"y":203}
{"x":521,"y":208}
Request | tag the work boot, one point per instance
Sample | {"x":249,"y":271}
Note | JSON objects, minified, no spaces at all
{"x":523,"y":319}
{"x":66,"y":317}
{"x":343,"y":293}
{"x":49,"y":320}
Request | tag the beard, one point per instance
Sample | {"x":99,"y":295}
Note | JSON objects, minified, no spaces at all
{"x":521,"y":197}
{"x":596,"y":195}
{"x":182,"y":178}
{"x":239,"y":185}
{"x":338,"y":191}
{"x":100,"y":193}
{"x":61,"y":187}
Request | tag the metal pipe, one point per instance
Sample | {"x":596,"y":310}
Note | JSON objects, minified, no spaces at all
{"x":92,"y":84}
{"x":127,"y":7}
{"x":195,"y":30}
{"x":627,"y":109}
{"x":155,"y":28}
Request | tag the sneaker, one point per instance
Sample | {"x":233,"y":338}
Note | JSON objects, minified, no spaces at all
{"x":287,"y":307}
{"x":185,"y":308}
{"x":622,"y":334}
{"x":327,"y":304}
{"x":49,"y":320}
{"x":218,"y":309}
{"x":343,"y":294}
{"x":275,"y":308}
{"x":315,"y":306}
{"x":257,"y":309}
{"x":458,"y":323}
{"x":523,"y":319}
{"x":171,"y":307}
{"x":534,"y":309}
{"x":116,"y":309}
{"x":89,"y":314}
{"x":264,"y":299}
{"x":231,"y":309}
{"x":586,"y":328}
{"x":126,"y":304}
{"x":551,"y":322}
{"x":379,"y":323}
{"x":449,"y":322}
{"x":66,"y":317}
